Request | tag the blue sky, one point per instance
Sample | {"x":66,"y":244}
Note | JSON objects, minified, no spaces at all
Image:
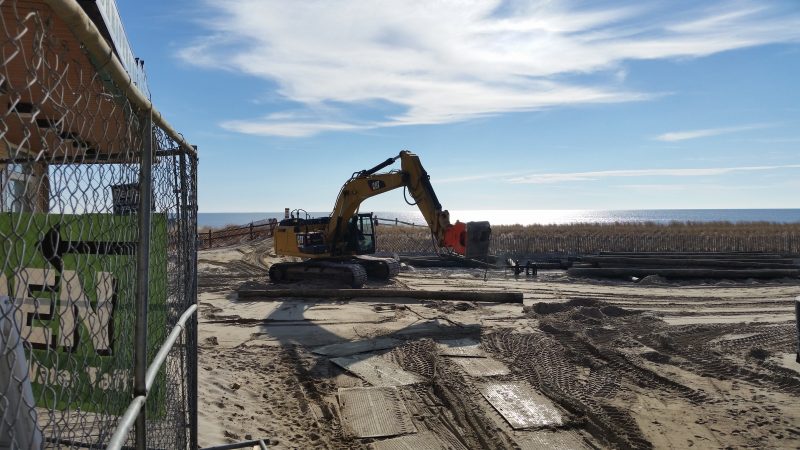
{"x":510,"y":104}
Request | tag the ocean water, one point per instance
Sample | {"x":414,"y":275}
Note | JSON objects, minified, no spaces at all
{"x":543,"y":217}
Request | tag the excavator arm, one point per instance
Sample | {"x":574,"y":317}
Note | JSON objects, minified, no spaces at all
{"x":458,"y":237}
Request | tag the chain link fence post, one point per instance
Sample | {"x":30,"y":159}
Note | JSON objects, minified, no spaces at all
{"x":143,"y":276}
{"x":191,"y":289}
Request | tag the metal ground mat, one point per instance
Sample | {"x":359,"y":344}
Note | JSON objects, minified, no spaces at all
{"x":425,"y":440}
{"x":374,"y":412}
{"x":545,"y":439}
{"x":481,"y":367}
{"x":521,"y":405}
{"x":469,"y":348}
{"x":376,"y":370}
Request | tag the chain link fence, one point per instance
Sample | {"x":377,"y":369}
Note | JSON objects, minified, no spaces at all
{"x":77,"y":148}
{"x":404,"y":240}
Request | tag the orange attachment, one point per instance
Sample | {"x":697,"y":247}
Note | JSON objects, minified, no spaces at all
{"x":455,"y":237}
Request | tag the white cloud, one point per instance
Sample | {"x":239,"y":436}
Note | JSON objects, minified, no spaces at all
{"x":661,"y":187}
{"x":483,"y":176}
{"x":546,"y":178}
{"x":443,"y":61}
{"x":699,"y":187}
{"x":707,"y":132}
{"x":269,"y":126}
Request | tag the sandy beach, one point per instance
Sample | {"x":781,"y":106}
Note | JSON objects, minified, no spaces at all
{"x":601,"y":364}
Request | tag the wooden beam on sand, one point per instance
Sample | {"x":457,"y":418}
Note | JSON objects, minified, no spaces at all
{"x":711,"y":255}
{"x":464,"y":296}
{"x":640,"y":272}
{"x":616,"y":261}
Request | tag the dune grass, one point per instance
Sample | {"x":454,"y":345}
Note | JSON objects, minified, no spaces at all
{"x":581,"y":238}
{"x":584,"y":238}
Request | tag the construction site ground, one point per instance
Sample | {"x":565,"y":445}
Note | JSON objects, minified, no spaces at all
{"x":603,"y":364}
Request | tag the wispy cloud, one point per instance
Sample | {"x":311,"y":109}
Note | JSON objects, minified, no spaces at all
{"x":482,"y":176}
{"x":546,"y":178}
{"x":707,"y":132}
{"x":443,"y":61}
{"x":697,"y":187}
{"x":286,"y":128}
{"x":777,"y":140}
{"x":659,"y":187}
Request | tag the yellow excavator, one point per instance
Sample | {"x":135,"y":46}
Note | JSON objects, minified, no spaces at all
{"x":340,"y":247}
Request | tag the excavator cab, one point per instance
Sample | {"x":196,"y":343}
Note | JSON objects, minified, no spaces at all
{"x":361,"y":234}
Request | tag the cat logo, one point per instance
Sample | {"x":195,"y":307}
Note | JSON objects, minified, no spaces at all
{"x":376,"y":185}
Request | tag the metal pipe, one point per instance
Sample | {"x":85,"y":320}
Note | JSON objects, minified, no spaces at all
{"x":103,"y":57}
{"x":126,"y":423}
{"x":127,"y":420}
{"x":161,"y":356}
{"x":143,"y":277}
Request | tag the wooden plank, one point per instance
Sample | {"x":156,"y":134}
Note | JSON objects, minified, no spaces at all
{"x":671,"y":272}
{"x":251,"y":293}
{"x":612,"y":261}
{"x":734,"y":255}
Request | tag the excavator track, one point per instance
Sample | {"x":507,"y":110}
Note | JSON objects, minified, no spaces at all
{"x":378,"y":268}
{"x":347,"y":273}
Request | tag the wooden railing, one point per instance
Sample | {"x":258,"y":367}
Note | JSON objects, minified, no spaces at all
{"x":226,"y":236}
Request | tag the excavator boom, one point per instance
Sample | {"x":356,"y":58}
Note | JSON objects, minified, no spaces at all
{"x":470,"y":240}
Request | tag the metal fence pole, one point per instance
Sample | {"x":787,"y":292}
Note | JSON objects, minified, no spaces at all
{"x":189,"y":180}
{"x":193,"y":320}
{"x":143,"y":276}
{"x":137,"y":405}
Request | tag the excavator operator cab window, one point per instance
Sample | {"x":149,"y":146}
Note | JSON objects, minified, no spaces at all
{"x":361,"y":234}
{"x":366,"y":235}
